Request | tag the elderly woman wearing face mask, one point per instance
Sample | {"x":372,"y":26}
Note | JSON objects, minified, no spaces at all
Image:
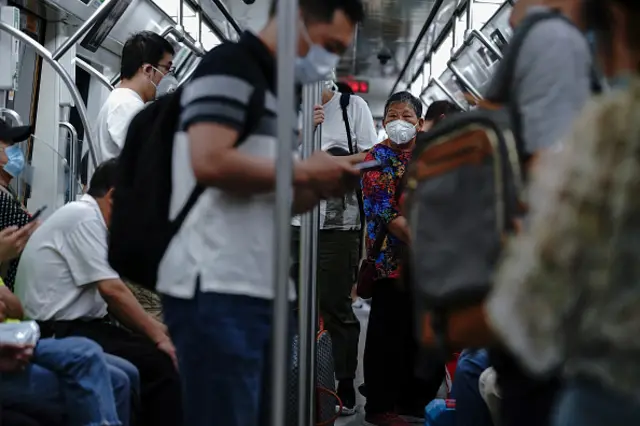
{"x":393,"y":393}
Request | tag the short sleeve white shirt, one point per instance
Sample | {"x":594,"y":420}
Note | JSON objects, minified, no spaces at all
{"x":62,"y":263}
{"x":344,"y":213}
{"x":113,"y":120}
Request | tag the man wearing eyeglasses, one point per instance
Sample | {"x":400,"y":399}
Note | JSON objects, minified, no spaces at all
{"x":146,"y":61}
{"x":146,"y":72}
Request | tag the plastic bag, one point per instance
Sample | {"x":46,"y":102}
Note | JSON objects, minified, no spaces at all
{"x":19,"y":333}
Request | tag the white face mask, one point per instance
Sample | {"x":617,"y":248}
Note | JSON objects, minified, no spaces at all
{"x":163,"y":86}
{"x":400,"y":131}
{"x":168,"y":84}
{"x":317,"y":65}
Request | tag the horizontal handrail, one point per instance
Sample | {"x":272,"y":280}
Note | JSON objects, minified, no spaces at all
{"x":94,"y":72}
{"x":99,"y":15}
{"x":66,"y":79}
{"x":13,"y":114}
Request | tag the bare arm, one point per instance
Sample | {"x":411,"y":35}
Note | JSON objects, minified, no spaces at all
{"x":217,"y":162}
{"x":125,"y":308}
{"x":13,"y":307}
{"x":304,"y":200}
{"x":400,"y":229}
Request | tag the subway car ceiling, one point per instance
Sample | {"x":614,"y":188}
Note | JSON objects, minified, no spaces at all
{"x":426,"y":46}
{"x":61,"y":59}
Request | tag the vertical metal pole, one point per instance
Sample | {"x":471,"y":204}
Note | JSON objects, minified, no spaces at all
{"x":313,"y":285}
{"x":454,"y":30}
{"x":308,"y":314}
{"x":305,"y":292}
{"x":287,"y":23}
{"x":181,"y":14}
{"x":469,"y":18}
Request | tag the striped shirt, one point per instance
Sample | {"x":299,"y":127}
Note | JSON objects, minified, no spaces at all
{"x":226,"y":239}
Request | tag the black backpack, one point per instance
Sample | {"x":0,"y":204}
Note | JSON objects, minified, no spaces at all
{"x":140,"y":229}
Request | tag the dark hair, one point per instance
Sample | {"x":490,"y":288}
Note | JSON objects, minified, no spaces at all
{"x":437,"y":109}
{"x":344,"y":88}
{"x":405,"y":97}
{"x":323,"y":10}
{"x":145,"y":47}
{"x":599,"y":18}
{"x":104,"y":178}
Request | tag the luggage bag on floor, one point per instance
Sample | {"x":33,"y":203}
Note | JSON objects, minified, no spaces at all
{"x":326,"y":397}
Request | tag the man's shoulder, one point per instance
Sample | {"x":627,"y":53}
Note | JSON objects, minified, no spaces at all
{"x":554,"y":36}
{"x":119,"y":99}
{"x":229,"y":59}
{"x":75,"y":215}
{"x":357,"y":103}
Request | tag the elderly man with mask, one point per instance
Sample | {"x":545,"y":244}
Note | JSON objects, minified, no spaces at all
{"x":347,"y":130}
{"x":146,"y":71}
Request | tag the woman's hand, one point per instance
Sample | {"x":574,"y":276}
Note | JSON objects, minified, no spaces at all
{"x":13,"y":239}
{"x":399,"y":227}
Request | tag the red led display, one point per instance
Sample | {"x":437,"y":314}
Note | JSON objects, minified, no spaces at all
{"x":358,"y":86}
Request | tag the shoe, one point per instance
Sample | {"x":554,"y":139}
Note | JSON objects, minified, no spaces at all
{"x":385,"y":419}
{"x":361,"y":304}
{"x":347,"y":395}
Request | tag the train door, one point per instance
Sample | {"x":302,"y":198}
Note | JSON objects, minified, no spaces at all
{"x":21,"y":101}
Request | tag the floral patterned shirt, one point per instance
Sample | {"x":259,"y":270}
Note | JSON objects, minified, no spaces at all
{"x":568,"y":290}
{"x":381,"y":204}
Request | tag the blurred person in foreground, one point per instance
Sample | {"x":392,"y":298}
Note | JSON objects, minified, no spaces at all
{"x":216,"y":276}
{"x":568,"y":292}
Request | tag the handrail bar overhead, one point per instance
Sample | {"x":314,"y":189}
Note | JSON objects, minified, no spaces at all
{"x":13,"y":114}
{"x":66,"y":79}
{"x":94,"y":72}
{"x":98,"y":16}
{"x":73,"y":164}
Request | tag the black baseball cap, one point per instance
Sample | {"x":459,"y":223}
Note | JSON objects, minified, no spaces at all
{"x":10,"y":135}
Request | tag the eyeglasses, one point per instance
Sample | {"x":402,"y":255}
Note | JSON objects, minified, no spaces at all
{"x":169,"y":69}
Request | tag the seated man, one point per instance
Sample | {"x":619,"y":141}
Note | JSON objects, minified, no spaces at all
{"x":65,"y":282}
{"x":67,"y":379}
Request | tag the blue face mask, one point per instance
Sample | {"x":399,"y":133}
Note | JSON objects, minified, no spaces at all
{"x":15,"y":162}
{"x":317,"y":65}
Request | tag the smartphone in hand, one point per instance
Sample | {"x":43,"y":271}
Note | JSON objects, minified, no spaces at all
{"x":367,"y":166}
{"x":37,"y":214}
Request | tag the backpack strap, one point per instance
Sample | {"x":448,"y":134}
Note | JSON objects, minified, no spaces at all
{"x":344,"y":103}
